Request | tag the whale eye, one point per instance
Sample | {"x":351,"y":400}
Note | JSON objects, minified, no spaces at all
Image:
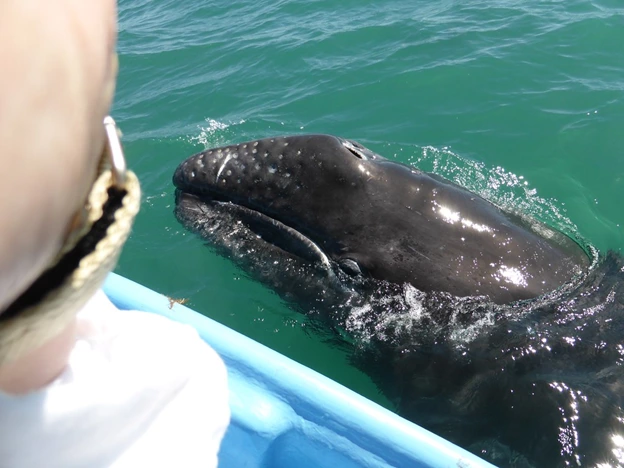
{"x":350,"y":267}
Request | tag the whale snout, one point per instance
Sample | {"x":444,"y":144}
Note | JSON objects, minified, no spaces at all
{"x":270,"y":165}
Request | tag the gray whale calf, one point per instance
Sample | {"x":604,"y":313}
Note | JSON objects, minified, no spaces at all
{"x":486,"y":327}
{"x":386,"y":220}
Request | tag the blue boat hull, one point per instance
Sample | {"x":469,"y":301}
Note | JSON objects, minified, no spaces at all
{"x":287,"y":415}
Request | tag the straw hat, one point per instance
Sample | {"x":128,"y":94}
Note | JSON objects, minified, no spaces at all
{"x":91,"y":251}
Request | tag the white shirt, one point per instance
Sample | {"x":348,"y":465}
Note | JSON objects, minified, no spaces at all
{"x":139,"y":390}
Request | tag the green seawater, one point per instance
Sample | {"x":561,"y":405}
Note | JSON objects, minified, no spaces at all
{"x":520,"y":101}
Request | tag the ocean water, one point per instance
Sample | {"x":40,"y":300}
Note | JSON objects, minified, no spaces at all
{"x":520,"y":101}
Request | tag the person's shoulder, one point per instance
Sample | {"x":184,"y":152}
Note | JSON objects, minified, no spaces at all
{"x":149,"y":341}
{"x":168,"y":374}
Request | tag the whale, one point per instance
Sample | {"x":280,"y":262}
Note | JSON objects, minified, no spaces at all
{"x":487,"y":327}
{"x":379,"y":218}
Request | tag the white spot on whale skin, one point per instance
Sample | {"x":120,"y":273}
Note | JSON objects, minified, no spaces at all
{"x":255,"y":143}
{"x":272,"y":169}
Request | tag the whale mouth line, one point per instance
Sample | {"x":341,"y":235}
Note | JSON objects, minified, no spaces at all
{"x":267,"y":228}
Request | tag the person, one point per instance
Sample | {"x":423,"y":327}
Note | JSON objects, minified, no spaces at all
{"x":81,"y":382}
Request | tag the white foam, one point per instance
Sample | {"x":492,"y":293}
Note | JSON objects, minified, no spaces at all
{"x":211,"y":135}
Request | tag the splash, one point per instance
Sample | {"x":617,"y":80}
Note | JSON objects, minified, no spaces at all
{"x":509,"y":191}
{"x":388,"y":316}
{"x":214,"y":134}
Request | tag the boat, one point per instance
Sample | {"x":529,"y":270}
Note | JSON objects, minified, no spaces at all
{"x":287,"y":415}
